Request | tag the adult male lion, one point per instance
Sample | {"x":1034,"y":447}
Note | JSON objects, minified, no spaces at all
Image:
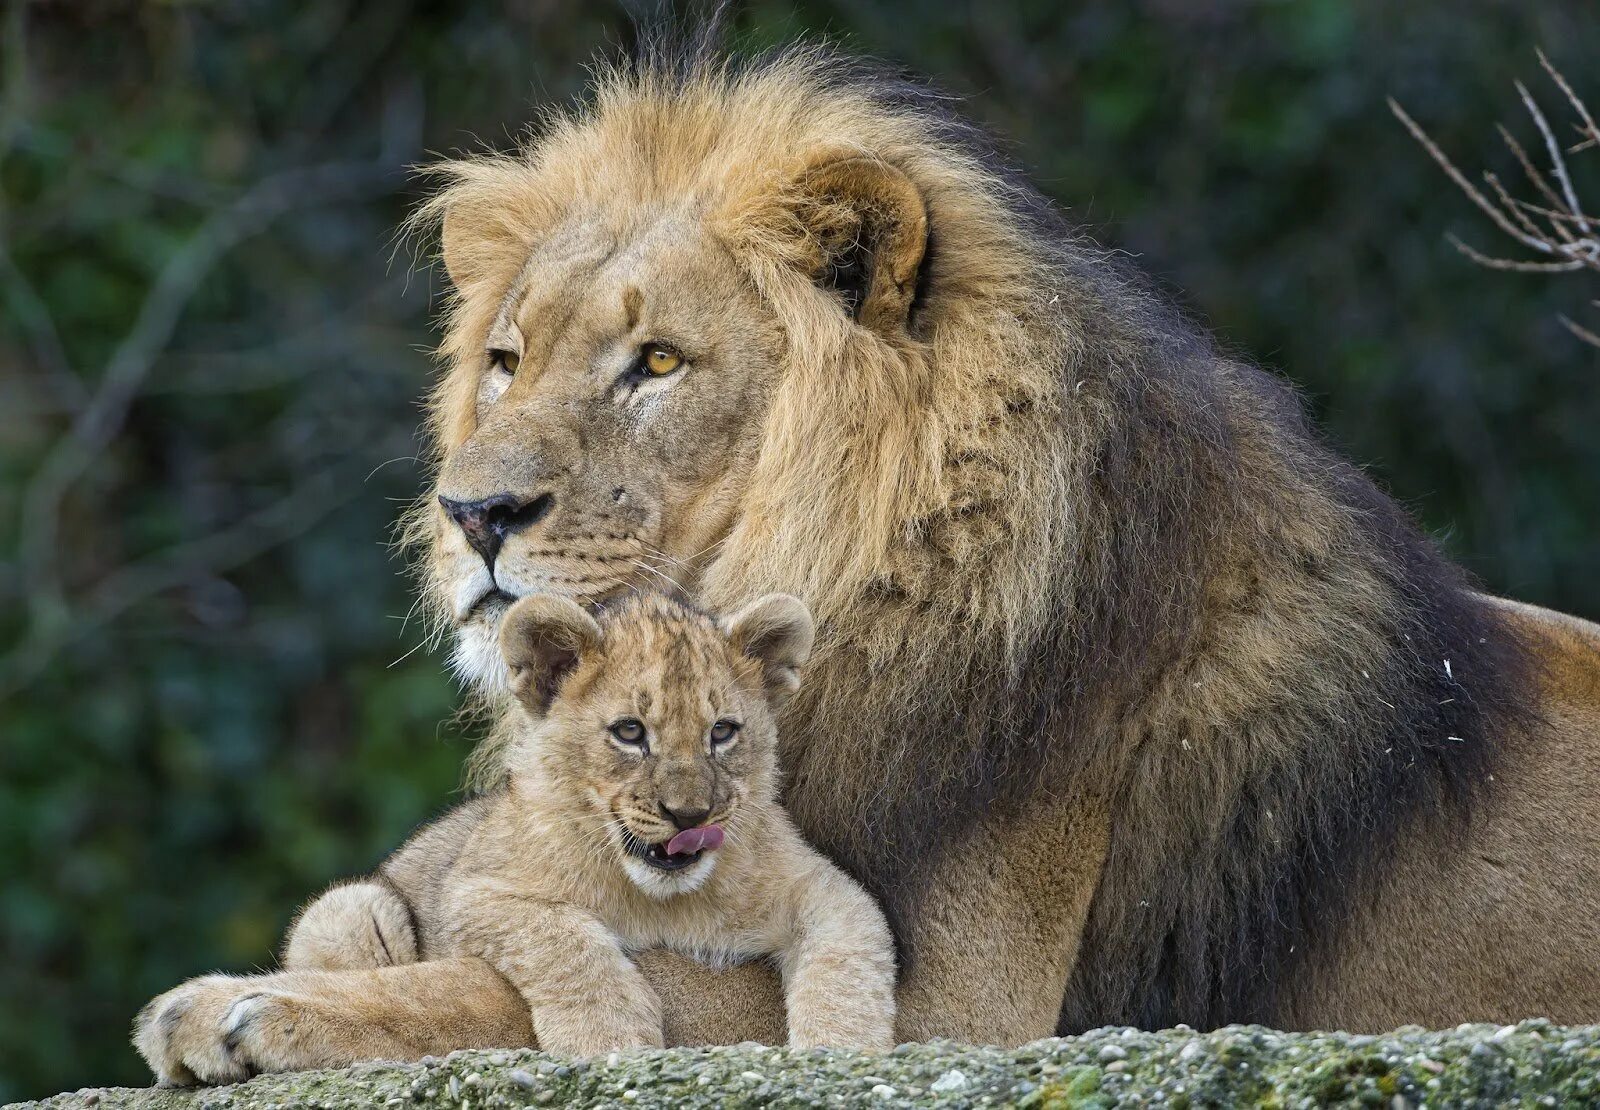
{"x":1134,"y":703}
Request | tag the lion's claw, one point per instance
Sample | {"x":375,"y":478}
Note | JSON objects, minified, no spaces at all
{"x":218,"y":1029}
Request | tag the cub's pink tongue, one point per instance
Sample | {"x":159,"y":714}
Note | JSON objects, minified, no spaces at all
{"x":690,"y":841}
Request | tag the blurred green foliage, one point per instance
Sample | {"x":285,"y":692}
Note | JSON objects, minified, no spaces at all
{"x":210,"y":702}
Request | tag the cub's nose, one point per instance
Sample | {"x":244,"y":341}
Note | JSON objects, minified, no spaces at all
{"x":685,"y":817}
{"x":488,"y":522}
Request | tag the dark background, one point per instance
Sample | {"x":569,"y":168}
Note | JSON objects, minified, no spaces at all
{"x":211,"y":702}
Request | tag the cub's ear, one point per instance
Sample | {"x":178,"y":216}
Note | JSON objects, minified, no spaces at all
{"x":542,"y":638}
{"x":870,"y":226}
{"x":777,"y":630}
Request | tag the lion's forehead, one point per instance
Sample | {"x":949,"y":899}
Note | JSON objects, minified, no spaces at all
{"x":586,"y":274}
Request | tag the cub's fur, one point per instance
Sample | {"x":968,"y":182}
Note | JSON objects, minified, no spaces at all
{"x":653,"y":720}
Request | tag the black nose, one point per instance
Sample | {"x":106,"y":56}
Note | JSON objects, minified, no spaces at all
{"x":487,"y":523}
{"x":684,"y":817}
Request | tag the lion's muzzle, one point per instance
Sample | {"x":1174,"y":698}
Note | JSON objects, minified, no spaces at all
{"x":487,"y":522}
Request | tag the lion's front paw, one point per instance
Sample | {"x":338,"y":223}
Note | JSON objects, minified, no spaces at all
{"x":222,"y":1029}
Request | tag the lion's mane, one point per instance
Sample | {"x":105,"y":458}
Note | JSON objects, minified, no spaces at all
{"x":1058,"y":542}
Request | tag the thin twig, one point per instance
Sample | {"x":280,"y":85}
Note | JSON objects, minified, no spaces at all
{"x":1557,"y":163}
{"x":1464,"y":185}
{"x":1572,"y":240}
{"x":1587,"y":124}
{"x":1582,"y":333}
{"x":1515,"y":265}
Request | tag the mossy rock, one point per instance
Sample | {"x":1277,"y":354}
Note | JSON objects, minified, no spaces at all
{"x":1532,"y":1064}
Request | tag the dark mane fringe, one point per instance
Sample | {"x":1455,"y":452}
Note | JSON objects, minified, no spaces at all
{"x":1214,"y":931}
{"x":1196,"y":927}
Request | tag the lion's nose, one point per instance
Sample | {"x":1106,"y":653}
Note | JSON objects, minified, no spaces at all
{"x":488,"y":522}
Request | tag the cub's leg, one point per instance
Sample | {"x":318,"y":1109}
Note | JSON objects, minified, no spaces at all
{"x":586,"y":996}
{"x":838,"y":970}
{"x":225,"y":1028}
{"x":365,"y":923}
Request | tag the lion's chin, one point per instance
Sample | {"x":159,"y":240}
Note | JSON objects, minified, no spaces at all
{"x":475,"y":657}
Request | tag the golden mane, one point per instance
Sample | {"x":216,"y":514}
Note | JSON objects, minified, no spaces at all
{"x":1051,"y":535}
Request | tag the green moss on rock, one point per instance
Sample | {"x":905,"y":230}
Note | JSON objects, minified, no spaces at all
{"x":1532,"y":1064}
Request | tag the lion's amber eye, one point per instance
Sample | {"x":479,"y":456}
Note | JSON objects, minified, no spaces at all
{"x":723,"y":731}
{"x":628,"y":730}
{"x":661,"y":361}
{"x":505,"y":361}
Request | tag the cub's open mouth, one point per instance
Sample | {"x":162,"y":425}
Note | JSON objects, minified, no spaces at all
{"x":681,"y":851}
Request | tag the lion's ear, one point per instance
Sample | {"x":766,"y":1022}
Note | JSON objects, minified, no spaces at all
{"x":458,"y":240}
{"x":870,"y":226}
{"x":487,"y":213}
{"x":542,"y":638}
{"x":475,"y":242}
{"x":776,"y":630}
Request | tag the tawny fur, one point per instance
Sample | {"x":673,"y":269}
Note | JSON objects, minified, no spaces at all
{"x":1137,"y":703}
{"x":537,"y":884}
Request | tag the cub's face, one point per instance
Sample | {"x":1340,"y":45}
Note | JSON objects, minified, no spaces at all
{"x":656,"y":724}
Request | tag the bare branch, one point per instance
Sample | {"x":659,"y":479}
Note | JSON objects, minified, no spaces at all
{"x":1516,"y":210}
{"x":1557,"y":163}
{"x":1528,"y":170}
{"x":1522,"y":267}
{"x":99,"y":420}
{"x":1571,"y":242}
{"x":1586,"y":125}
{"x":1582,"y":333}
{"x":1449,"y":167}
{"x":1548,"y":213}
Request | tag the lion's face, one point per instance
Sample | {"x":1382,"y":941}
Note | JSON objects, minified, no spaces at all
{"x":618,"y":398}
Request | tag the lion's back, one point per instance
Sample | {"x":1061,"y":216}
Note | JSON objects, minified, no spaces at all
{"x":1493,"y":921}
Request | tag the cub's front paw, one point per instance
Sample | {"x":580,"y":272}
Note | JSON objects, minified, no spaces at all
{"x":223,"y":1029}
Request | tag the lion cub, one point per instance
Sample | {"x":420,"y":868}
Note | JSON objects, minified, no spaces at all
{"x":640,"y":813}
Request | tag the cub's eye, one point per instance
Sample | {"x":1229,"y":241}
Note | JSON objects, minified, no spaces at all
{"x":504,"y":361}
{"x":723,"y":731}
{"x":629,"y":731}
{"x":659,"y":361}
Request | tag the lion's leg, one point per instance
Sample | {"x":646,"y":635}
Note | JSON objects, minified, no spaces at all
{"x":354,"y":925}
{"x":996,"y":932}
{"x":707,"y":1006}
{"x":224,"y":1028}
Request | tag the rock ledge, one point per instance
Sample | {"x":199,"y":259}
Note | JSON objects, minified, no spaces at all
{"x":1532,"y":1064}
